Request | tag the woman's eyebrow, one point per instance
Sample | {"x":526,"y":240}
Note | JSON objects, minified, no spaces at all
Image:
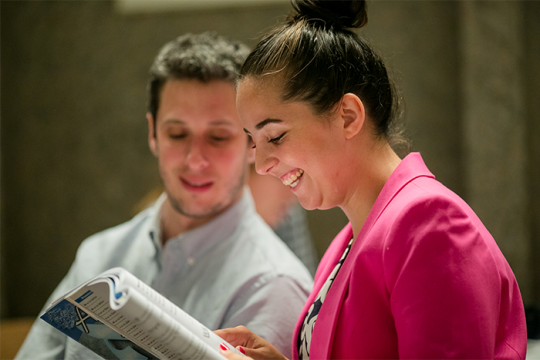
{"x":265,"y":122}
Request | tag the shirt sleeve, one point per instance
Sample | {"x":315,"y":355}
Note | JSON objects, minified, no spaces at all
{"x":44,"y":341}
{"x":294,"y":232}
{"x":270,"y":309}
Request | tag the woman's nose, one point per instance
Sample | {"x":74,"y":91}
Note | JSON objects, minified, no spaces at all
{"x":264,"y":162}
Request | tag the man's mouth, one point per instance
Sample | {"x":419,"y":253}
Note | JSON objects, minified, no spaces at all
{"x":293,"y":178}
{"x":196,"y":185}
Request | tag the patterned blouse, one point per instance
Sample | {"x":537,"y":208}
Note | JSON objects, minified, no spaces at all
{"x":304,"y":337}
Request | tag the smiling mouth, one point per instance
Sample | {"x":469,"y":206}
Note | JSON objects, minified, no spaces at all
{"x":196,"y":185}
{"x":293,"y":179}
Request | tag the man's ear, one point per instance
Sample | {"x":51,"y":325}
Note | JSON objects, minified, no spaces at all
{"x":151,"y":134}
{"x":353,"y":115}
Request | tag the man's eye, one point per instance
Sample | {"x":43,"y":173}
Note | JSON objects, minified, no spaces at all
{"x":219,"y":136}
{"x":276,"y":140}
{"x":177,"y":135}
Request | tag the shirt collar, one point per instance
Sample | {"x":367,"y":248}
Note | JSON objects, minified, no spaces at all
{"x":196,"y":241}
{"x":155,"y":224}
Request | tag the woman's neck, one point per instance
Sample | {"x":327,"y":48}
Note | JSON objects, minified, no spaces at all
{"x":375,"y":167}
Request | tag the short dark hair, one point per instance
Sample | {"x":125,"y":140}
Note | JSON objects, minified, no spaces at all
{"x":318,"y":59}
{"x":204,"y":57}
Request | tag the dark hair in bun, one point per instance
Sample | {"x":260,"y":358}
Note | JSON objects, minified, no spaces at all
{"x":344,"y":14}
{"x":318,"y":59}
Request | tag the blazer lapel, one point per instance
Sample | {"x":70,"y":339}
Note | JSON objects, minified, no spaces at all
{"x":410,"y":168}
{"x":323,"y":332}
{"x":327,"y":264}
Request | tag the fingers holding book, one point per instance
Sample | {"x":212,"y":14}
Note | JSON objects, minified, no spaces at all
{"x":248,"y":343}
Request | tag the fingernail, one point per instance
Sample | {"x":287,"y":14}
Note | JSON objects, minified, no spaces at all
{"x":241,"y":349}
{"x":223,"y":347}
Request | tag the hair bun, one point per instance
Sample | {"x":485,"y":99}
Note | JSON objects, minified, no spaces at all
{"x":341,"y":13}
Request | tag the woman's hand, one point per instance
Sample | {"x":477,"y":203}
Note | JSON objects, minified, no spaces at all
{"x":234,"y":356}
{"x":248,"y":343}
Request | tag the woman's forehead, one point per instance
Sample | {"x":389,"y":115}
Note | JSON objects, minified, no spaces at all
{"x":267,"y":84}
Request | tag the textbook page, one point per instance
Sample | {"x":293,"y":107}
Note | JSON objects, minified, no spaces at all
{"x":128,"y":280}
{"x":119,"y":317}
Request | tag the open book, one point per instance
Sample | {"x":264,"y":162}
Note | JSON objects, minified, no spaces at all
{"x":118,"y":316}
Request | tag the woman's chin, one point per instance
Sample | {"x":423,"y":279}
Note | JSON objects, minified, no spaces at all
{"x":309,"y":203}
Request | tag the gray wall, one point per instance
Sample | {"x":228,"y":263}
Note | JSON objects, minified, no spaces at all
{"x":73,"y":133}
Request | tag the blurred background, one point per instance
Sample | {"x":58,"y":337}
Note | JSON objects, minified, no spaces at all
{"x":74,"y":154}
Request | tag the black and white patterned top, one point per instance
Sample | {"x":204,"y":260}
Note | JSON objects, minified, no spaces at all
{"x":304,"y":337}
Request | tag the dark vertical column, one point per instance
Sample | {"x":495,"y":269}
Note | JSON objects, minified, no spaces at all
{"x":532,"y":99}
{"x":495,"y":126}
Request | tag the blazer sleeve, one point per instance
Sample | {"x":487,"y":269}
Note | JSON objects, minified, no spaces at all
{"x":442,"y":271}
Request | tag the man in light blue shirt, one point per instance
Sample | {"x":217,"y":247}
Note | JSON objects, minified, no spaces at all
{"x":201,"y":244}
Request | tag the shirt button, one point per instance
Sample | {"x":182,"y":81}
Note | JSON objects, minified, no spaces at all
{"x":191,"y":261}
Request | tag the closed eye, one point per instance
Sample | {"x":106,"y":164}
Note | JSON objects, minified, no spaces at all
{"x":178,"y":136}
{"x":276,"y":140}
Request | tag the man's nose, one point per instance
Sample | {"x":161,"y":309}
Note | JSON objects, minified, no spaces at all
{"x":197,"y":155}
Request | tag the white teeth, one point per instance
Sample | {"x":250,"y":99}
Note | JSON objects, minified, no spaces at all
{"x":294,"y":179}
{"x":196,"y":185}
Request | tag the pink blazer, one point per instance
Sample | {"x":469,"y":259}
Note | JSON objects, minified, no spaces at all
{"x":424,"y":280}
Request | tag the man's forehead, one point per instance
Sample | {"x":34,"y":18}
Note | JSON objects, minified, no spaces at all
{"x":213,"y":123}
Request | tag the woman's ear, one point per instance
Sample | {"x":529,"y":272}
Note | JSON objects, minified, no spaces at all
{"x":353,"y":115}
{"x":152,"y":134}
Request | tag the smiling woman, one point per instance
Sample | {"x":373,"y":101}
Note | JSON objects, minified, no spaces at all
{"x":291,"y":140}
{"x":415,"y":274}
